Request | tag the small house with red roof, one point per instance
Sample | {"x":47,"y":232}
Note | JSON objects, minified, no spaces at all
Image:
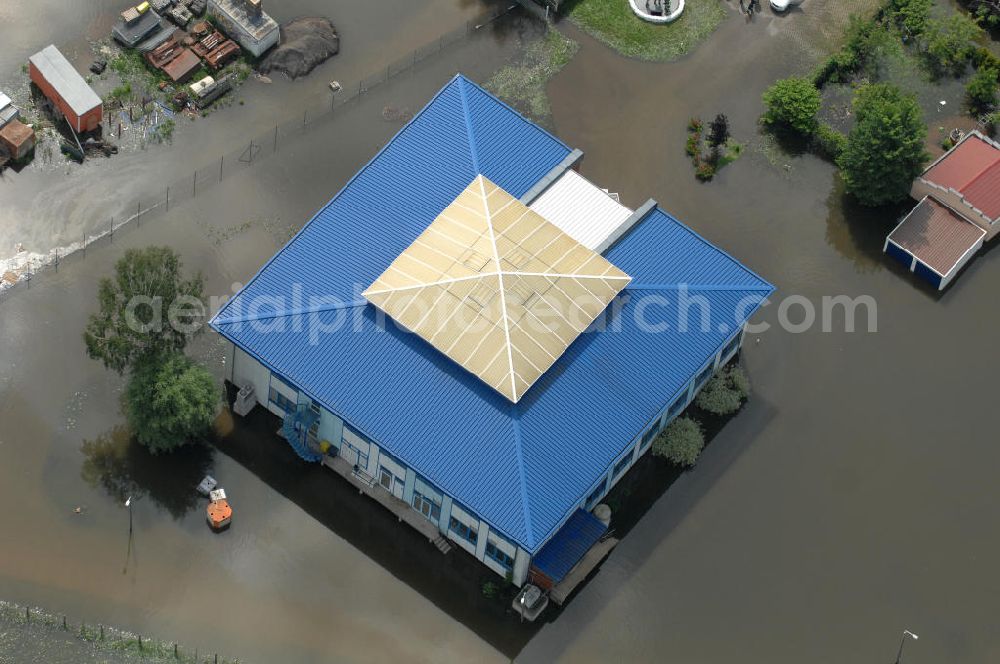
{"x":959,"y":211}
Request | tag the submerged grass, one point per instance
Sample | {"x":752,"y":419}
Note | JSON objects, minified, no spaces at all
{"x":523,"y":84}
{"x":612,"y":22}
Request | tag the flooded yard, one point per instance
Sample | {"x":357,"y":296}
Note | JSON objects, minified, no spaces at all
{"x":851,"y":498}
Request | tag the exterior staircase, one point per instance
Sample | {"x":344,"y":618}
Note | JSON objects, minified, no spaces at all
{"x":442,"y":544}
{"x":294,"y":427}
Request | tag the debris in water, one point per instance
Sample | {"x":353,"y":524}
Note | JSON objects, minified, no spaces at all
{"x":304,"y":43}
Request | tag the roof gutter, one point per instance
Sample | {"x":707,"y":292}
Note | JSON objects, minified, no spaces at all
{"x":567,"y":163}
{"x":627,"y":225}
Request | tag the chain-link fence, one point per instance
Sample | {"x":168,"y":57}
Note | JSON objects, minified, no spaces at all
{"x":262,"y":146}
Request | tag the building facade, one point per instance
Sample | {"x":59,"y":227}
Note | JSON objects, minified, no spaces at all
{"x":502,"y":445}
{"x":69,"y":93}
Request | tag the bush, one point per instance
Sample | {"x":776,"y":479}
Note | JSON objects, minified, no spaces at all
{"x":982,"y":88}
{"x":692,"y":144}
{"x":705,"y":171}
{"x":885,"y":149}
{"x":695,"y":125}
{"x":170,"y":401}
{"x":792,"y":103}
{"x":681,"y":442}
{"x":950,"y":42}
{"x":830,"y":143}
{"x":490,"y":589}
{"x":725,"y":392}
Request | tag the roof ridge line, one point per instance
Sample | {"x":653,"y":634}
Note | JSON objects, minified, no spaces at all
{"x":293,"y":312}
{"x":517,"y":114}
{"x":529,"y":531}
{"x":503,"y":298}
{"x":700,"y":287}
{"x":468,"y":125}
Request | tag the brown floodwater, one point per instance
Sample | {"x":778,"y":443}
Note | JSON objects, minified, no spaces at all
{"x":853,"y":497}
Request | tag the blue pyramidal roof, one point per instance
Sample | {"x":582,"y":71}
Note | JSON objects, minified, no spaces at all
{"x":524,"y":468}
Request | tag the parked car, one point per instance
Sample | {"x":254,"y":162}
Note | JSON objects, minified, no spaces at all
{"x":782,"y":6}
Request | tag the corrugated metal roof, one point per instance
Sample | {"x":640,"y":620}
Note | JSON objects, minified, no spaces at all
{"x":936,"y":235}
{"x":4,"y":101}
{"x":525,"y":467}
{"x":581,"y":209}
{"x":58,"y":71}
{"x":569,"y":545}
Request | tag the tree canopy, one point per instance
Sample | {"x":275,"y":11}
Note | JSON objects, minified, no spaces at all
{"x":885,"y":148}
{"x":170,"y":401}
{"x":792,"y":103}
{"x":147,"y":309}
{"x":950,"y":42}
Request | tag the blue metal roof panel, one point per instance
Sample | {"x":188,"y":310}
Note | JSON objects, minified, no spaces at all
{"x":523,"y":468}
{"x":568,"y":546}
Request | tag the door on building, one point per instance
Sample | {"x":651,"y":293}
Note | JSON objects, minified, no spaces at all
{"x":390,"y":482}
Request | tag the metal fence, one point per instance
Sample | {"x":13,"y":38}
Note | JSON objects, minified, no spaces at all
{"x":256,"y":149}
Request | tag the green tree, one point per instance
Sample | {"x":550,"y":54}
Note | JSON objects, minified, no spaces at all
{"x":950,"y":42}
{"x":170,"y":401}
{"x":885,"y":148}
{"x":913,"y":15}
{"x":792,"y":103}
{"x":725,"y":392}
{"x":681,"y":442}
{"x":147,"y":309}
{"x":982,"y":88}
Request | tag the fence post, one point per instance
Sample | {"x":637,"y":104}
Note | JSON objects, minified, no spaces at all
{"x":304,"y":113}
{"x":102,"y":632}
{"x":222,"y":160}
{"x":168,"y":199}
{"x":84,"y":255}
{"x":64,"y":623}
{"x":112,"y":234}
{"x":275,"y":138}
{"x":138,"y":213}
{"x":194,"y":184}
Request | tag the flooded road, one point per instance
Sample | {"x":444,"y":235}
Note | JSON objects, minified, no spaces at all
{"x":852,"y":498}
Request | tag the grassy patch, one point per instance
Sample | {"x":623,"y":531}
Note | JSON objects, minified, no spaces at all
{"x":523,"y":84}
{"x":613,"y":22}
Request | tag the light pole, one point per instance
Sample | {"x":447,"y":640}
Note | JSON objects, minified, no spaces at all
{"x":128,"y":504}
{"x":902,"y":642}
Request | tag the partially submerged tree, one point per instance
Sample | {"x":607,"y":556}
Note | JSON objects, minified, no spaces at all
{"x":885,"y":148}
{"x":147,"y":309}
{"x":170,"y":401}
{"x":681,"y":442}
{"x":792,"y":103}
{"x":718,"y":132}
{"x":982,"y":88}
{"x":950,"y":42}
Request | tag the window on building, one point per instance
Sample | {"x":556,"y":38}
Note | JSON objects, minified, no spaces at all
{"x":621,"y":465}
{"x":466,"y":532}
{"x":426,"y":506}
{"x":493,"y":553}
{"x":730,"y":348}
{"x":676,"y":407}
{"x":705,"y":374}
{"x":280,"y":400}
{"x":596,"y":494}
{"x":648,"y":437}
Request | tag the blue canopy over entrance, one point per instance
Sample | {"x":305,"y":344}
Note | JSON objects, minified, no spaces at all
{"x":568,"y":546}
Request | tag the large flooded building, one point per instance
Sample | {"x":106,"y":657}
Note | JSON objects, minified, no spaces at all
{"x":485,"y":337}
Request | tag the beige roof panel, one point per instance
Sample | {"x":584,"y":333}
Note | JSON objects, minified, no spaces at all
{"x":497,"y":288}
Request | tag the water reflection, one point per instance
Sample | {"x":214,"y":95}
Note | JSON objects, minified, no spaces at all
{"x":121,"y":466}
{"x":858,"y":232}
